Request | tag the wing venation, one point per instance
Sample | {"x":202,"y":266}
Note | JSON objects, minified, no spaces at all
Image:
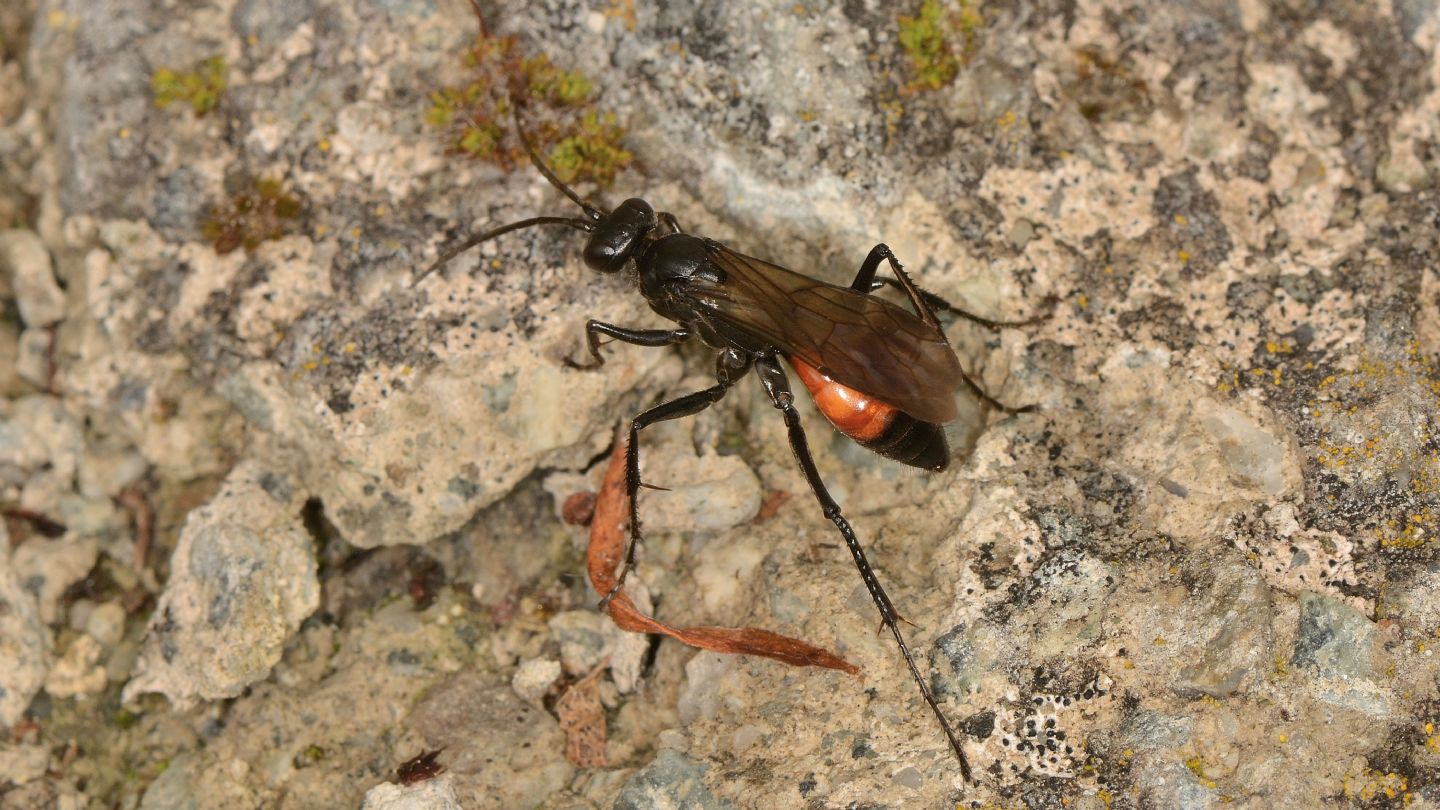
{"x":859,"y":340}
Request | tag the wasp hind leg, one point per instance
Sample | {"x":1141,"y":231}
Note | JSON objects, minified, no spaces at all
{"x":772,"y":377}
{"x":926,"y":303}
{"x":866,"y":282}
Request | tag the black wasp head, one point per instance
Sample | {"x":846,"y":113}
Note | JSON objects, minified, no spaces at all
{"x":618,"y":234}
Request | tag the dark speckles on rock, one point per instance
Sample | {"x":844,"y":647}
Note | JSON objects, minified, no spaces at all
{"x":979,"y":725}
{"x":1308,"y":288}
{"x":155,"y":338}
{"x":404,"y":661}
{"x":1259,"y":149}
{"x":1165,"y":319}
{"x":1249,"y":297}
{"x":219,"y":609}
{"x":807,"y":785}
{"x":339,"y":403}
{"x":277,"y":486}
{"x":463,"y":487}
{"x":955,"y":649}
{"x":1190,"y":219}
{"x":179,"y":202}
{"x":497,"y":397}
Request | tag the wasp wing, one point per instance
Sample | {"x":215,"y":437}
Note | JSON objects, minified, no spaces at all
{"x":858,"y":340}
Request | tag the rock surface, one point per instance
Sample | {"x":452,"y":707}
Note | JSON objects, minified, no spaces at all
{"x":242,"y":581}
{"x":24,"y":644}
{"x":247,"y":465}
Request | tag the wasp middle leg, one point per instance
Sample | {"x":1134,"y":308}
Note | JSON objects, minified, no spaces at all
{"x":639,"y":337}
{"x":777,"y":386}
{"x":729,"y":367}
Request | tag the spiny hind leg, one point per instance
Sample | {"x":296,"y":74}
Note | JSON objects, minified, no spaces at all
{"x":772,"y":377}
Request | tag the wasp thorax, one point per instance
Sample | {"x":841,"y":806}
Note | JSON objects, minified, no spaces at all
{"x":618,"y":234}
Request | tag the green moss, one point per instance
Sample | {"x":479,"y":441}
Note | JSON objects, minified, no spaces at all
{"x":969,"y":22}
{"x":552,"y":85}
{"x":481,"y":140}
{"x":251,"y":217}
{"x":925,"y":38}
{"x":559,"y":113}
{"x":593,"y":152}
{"x":124,"y":718}
{"x":200,"y":88}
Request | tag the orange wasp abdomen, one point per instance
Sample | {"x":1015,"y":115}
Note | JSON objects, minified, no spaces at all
{"x":873,"y":423}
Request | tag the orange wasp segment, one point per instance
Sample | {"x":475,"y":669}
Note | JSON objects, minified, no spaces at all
{"x":854,"y":413}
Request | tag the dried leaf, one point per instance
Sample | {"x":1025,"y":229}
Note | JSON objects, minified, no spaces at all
{"x":607,"y":544}
{"x":582,"y":718}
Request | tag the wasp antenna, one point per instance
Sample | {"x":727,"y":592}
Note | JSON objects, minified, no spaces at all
{"x":590,"y":210}
{"x":480,"y":17}
{"x":577,"y":224}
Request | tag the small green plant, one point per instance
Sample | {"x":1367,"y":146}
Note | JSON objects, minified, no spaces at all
{"x":251,"y":217}
{"x":558,"y":111}
{"x":555,"y":86}
{"x":926,"y":40}
{"x":592,"y":152}
{"x":200,"y":88}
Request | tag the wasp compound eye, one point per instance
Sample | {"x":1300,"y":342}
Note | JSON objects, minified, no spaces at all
{"x":618,"y":235}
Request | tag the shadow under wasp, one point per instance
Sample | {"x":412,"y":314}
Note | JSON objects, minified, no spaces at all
{"x":882,"y":374}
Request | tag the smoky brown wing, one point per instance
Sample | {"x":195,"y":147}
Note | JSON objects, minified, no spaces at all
{"x":859,"y":340}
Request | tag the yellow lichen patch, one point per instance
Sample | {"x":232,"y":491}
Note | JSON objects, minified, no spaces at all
{"x":623,"y":10}
{"x":1371,"y":784}
{"x":1281,"y":669}
{"x":892,"y":112}
{"x":1369,"y":436}
{"x":1197,"y":767}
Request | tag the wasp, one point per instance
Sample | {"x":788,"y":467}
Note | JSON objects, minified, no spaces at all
{"x":882,"y":374}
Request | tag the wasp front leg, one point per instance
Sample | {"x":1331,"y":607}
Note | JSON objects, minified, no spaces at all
{"x":668,"y":220}
{"x":639,"y":337}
